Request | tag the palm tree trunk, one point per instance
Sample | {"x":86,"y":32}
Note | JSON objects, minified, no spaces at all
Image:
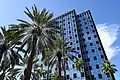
{"x":80,"y":73}
{"x":48,"y":73}
{"x":64,"y":68}
{"x":111,"y":77}
{"x":2,"y":50}
{"x":59,"y":65}
{"x":21,"y":77}
{"x":2,"y":76}
{"x":59,"y":61}
{"x":28,"y":70}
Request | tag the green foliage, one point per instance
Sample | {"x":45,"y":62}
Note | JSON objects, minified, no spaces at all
{"x":54,"y":76}
{"x":108,"y":68}
{"x":78,"y":64}
{"x":35,"y":35}
{"x":59,"y":47}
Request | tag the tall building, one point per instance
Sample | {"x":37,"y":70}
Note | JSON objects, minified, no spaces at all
{"x":81,"y":31}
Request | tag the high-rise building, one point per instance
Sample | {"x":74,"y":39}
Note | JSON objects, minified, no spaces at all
{"x":81,"y":31}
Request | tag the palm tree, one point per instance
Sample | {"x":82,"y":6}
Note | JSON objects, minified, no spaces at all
{"x":35,"y":35}
{"x":58,"y":52}
{"x":109,"y":69}
{"x":54,"y":76}
{"x":8,"y":57}
{"x":6,"y":71}
{"x":79,"y":64}
{"x":37,"y":70}
{"x":46,"y":61}
{"x":8,"y":41}
{"x":40,"y":72}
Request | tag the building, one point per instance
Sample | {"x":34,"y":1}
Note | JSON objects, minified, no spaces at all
{"x":83,"y":35}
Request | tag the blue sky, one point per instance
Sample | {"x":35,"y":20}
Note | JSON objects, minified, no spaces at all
{"x":106,"y":14}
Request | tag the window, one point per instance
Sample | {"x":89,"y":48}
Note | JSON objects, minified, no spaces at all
{"x":91,"y":44}
{"x":74,"y":25}
{"x":88,"y":59}
{"x":90,"y":67}
{"x":70,"y":37}
{"x":73,"y":65}
{"x":68,"y":22}
{"x":73,"y":20}
{"x":86,"y":27}
{"x":68,"y":18}
{"x":88,"y":17}
{"x":69,"y":31}
{"x":70,"y":43}
{"x":93,"y":30}
{"x":67,"y":76}
{"x":92,"y":76}
{"x":79,"y":56}
{"x":86,"y":52}
{"x":89,"y":38}
{"x":97,"y":42}
{"x":99,"y":49}
{"x":80,"y":24}
{"x":60,"y":21}
{"x":84,"y":19}
{"x":81,"y":29}
{"x":85,"y":23}
{"x":76,"y":35}
{"x":79,"y":20}
{"x":78,"y":48}
{"x":85,"y":45}
{"x":83,"y":39}
{"x":93,"y":50}
{"x":97,"y":66}
{"x":95,"y":58}
{"x":91,"y":25}
{"x":74,"y":75}
{"x":102,"y":56}
{"x":95,"y":36}
{"x":74,"y":29}
{"x":77,"y":41}
{"x":87,"y":32}
{"x":82,"y":74}
{"x":100,"y":76}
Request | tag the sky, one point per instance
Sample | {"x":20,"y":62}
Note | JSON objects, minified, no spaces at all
{"x":106,"y":14}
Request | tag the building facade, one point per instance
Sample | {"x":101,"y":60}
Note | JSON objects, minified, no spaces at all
{"x":82,"y":34}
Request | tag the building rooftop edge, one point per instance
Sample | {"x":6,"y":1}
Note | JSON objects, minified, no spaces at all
{"x":70,"y":12}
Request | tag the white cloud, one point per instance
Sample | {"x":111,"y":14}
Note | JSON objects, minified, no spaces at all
{"x":108,"y":35}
